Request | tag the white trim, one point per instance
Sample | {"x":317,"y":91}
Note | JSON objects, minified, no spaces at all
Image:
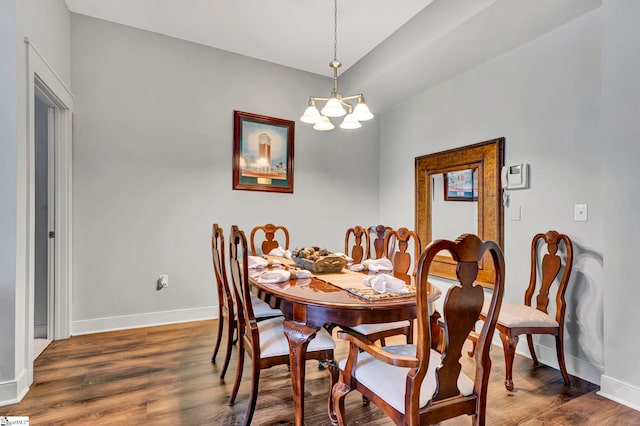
{"x":620,"y":392}
{"x":40,"y":76}
{"x":99,"y":325}
{"x":12,"y":392}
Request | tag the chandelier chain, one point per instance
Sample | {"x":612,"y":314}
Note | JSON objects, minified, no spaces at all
{"x":335,"y":30}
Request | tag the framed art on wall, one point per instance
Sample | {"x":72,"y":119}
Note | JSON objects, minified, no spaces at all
{"x":262,"y":153}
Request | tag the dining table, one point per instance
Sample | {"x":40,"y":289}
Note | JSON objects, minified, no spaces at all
{"x":332,"y":299}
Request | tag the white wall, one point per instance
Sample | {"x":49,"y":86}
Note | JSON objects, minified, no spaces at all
{"x":544,"y":97}
{"x":153,"y":137}
{"x":621,"y":151}
{"x":8,"y":152}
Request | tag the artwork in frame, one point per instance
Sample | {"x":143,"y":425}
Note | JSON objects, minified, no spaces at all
{"x":461,"y":185}
{"x":262,"y":153}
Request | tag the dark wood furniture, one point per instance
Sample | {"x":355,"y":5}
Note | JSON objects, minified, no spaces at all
{"x":269,"y":242}
{"x":310,"y":304}
{"x":361,"y":246}
{"x":487,"y":158}
{"x":530,"y":319}
{"x":226,"y":301}
{"x":415,"y":385}
{"x":376,"y":236}
{"x":402,"y":259}
{"x":264,"y":341}
{"x":226,"y":305}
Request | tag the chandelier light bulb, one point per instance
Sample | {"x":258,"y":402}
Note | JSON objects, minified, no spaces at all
{"x":361,"y":110}
{"x":333,"y":108}
{"x":324,"y":124}
{"x":311,"y":114}
{"x":350,"y":122}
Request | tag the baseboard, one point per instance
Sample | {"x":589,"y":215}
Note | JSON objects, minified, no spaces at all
{"x":620,"y":392}
{"x":12,"y":392}
{"x":99,"y":325}
{"x":547,"y":356}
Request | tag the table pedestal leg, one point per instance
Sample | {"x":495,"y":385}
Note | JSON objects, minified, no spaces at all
{"x":298,"y":335}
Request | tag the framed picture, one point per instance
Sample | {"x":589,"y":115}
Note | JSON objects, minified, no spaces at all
{"x":262,"y":153}
{"x":461,"y":185}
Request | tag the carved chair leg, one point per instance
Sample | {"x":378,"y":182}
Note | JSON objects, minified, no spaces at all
{"x":509,"y":344}
{"x":531,"y":349}
{"x":253,"y":395}
{"x":219,"y":338}
{"x":227,"y":357}
{"x":334,"y":373}
{"x":561,"y":363}
{"x":365,"y":401}
{"x":340,"y":390}
{"x":236,"y":384}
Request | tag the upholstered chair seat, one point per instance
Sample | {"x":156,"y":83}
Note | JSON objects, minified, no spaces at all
{"x":513,"y":315}
{"x":369,"y":329}
{"x":389,"y":382}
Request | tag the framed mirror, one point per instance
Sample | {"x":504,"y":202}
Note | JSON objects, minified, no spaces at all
{"x":458,"y":191}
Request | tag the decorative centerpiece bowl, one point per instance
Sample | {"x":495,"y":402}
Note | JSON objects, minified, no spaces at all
{"x":318,"y":260}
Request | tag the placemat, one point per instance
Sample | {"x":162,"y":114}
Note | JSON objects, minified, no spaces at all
{"x":369,"y":294}
{"x":344,"y":279}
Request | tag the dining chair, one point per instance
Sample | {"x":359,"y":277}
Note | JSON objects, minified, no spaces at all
{"x":414,"y":384}
{"x":226,"y":301}
{"x":263,"y":341}
{"x":516,"y":319}
{"x":401,"y":261}
{"x":360,"y":249}
{"x":269,"y":243}
{"x":376,"y":236}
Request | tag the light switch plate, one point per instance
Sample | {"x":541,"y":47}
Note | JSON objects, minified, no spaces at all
{"x":580,"y":213}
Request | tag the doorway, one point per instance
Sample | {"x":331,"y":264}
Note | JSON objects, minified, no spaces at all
{"x":44,"y":222}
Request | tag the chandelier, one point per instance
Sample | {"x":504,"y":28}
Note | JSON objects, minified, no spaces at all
{"x":336,"y":105}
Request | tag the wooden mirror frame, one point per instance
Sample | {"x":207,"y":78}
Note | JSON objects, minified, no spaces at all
{"x":488,"y":157}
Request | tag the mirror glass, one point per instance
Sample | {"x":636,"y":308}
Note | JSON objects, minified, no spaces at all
{"x":458,"y":192}
{"x":455,"y":211}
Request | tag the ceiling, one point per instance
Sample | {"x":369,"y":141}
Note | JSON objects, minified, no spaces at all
{"x":294,"y":33}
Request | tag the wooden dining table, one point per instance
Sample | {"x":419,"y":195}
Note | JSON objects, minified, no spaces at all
{"x":324,"y":299}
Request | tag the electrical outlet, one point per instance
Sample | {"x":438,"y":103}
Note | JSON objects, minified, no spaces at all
{"x":162,"y":282}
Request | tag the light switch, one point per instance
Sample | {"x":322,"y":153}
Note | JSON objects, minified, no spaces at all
{"x":580,"y":213}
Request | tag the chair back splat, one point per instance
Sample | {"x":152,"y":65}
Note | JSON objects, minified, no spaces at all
{"x":360,"y":249}
{"x":376,"y":236}
{"x":269,"y":242}
{"x":414,"y":384}
{"x":402,"y":259}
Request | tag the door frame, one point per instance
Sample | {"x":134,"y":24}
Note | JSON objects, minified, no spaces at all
{"x":42,"y":79}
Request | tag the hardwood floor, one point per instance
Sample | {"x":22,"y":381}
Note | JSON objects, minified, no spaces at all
{"x":163,"y":376}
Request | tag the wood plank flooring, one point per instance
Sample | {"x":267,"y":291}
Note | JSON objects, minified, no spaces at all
{"x":163,"y":376}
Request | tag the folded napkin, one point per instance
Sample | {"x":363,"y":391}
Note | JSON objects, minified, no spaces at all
{"x":349,"y":259}
{"x":281,"y":275}
{"x":257,"y":262}
{"x":385,"y":283}
{"x":378,"y":265}
{"x":280,"y":252}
